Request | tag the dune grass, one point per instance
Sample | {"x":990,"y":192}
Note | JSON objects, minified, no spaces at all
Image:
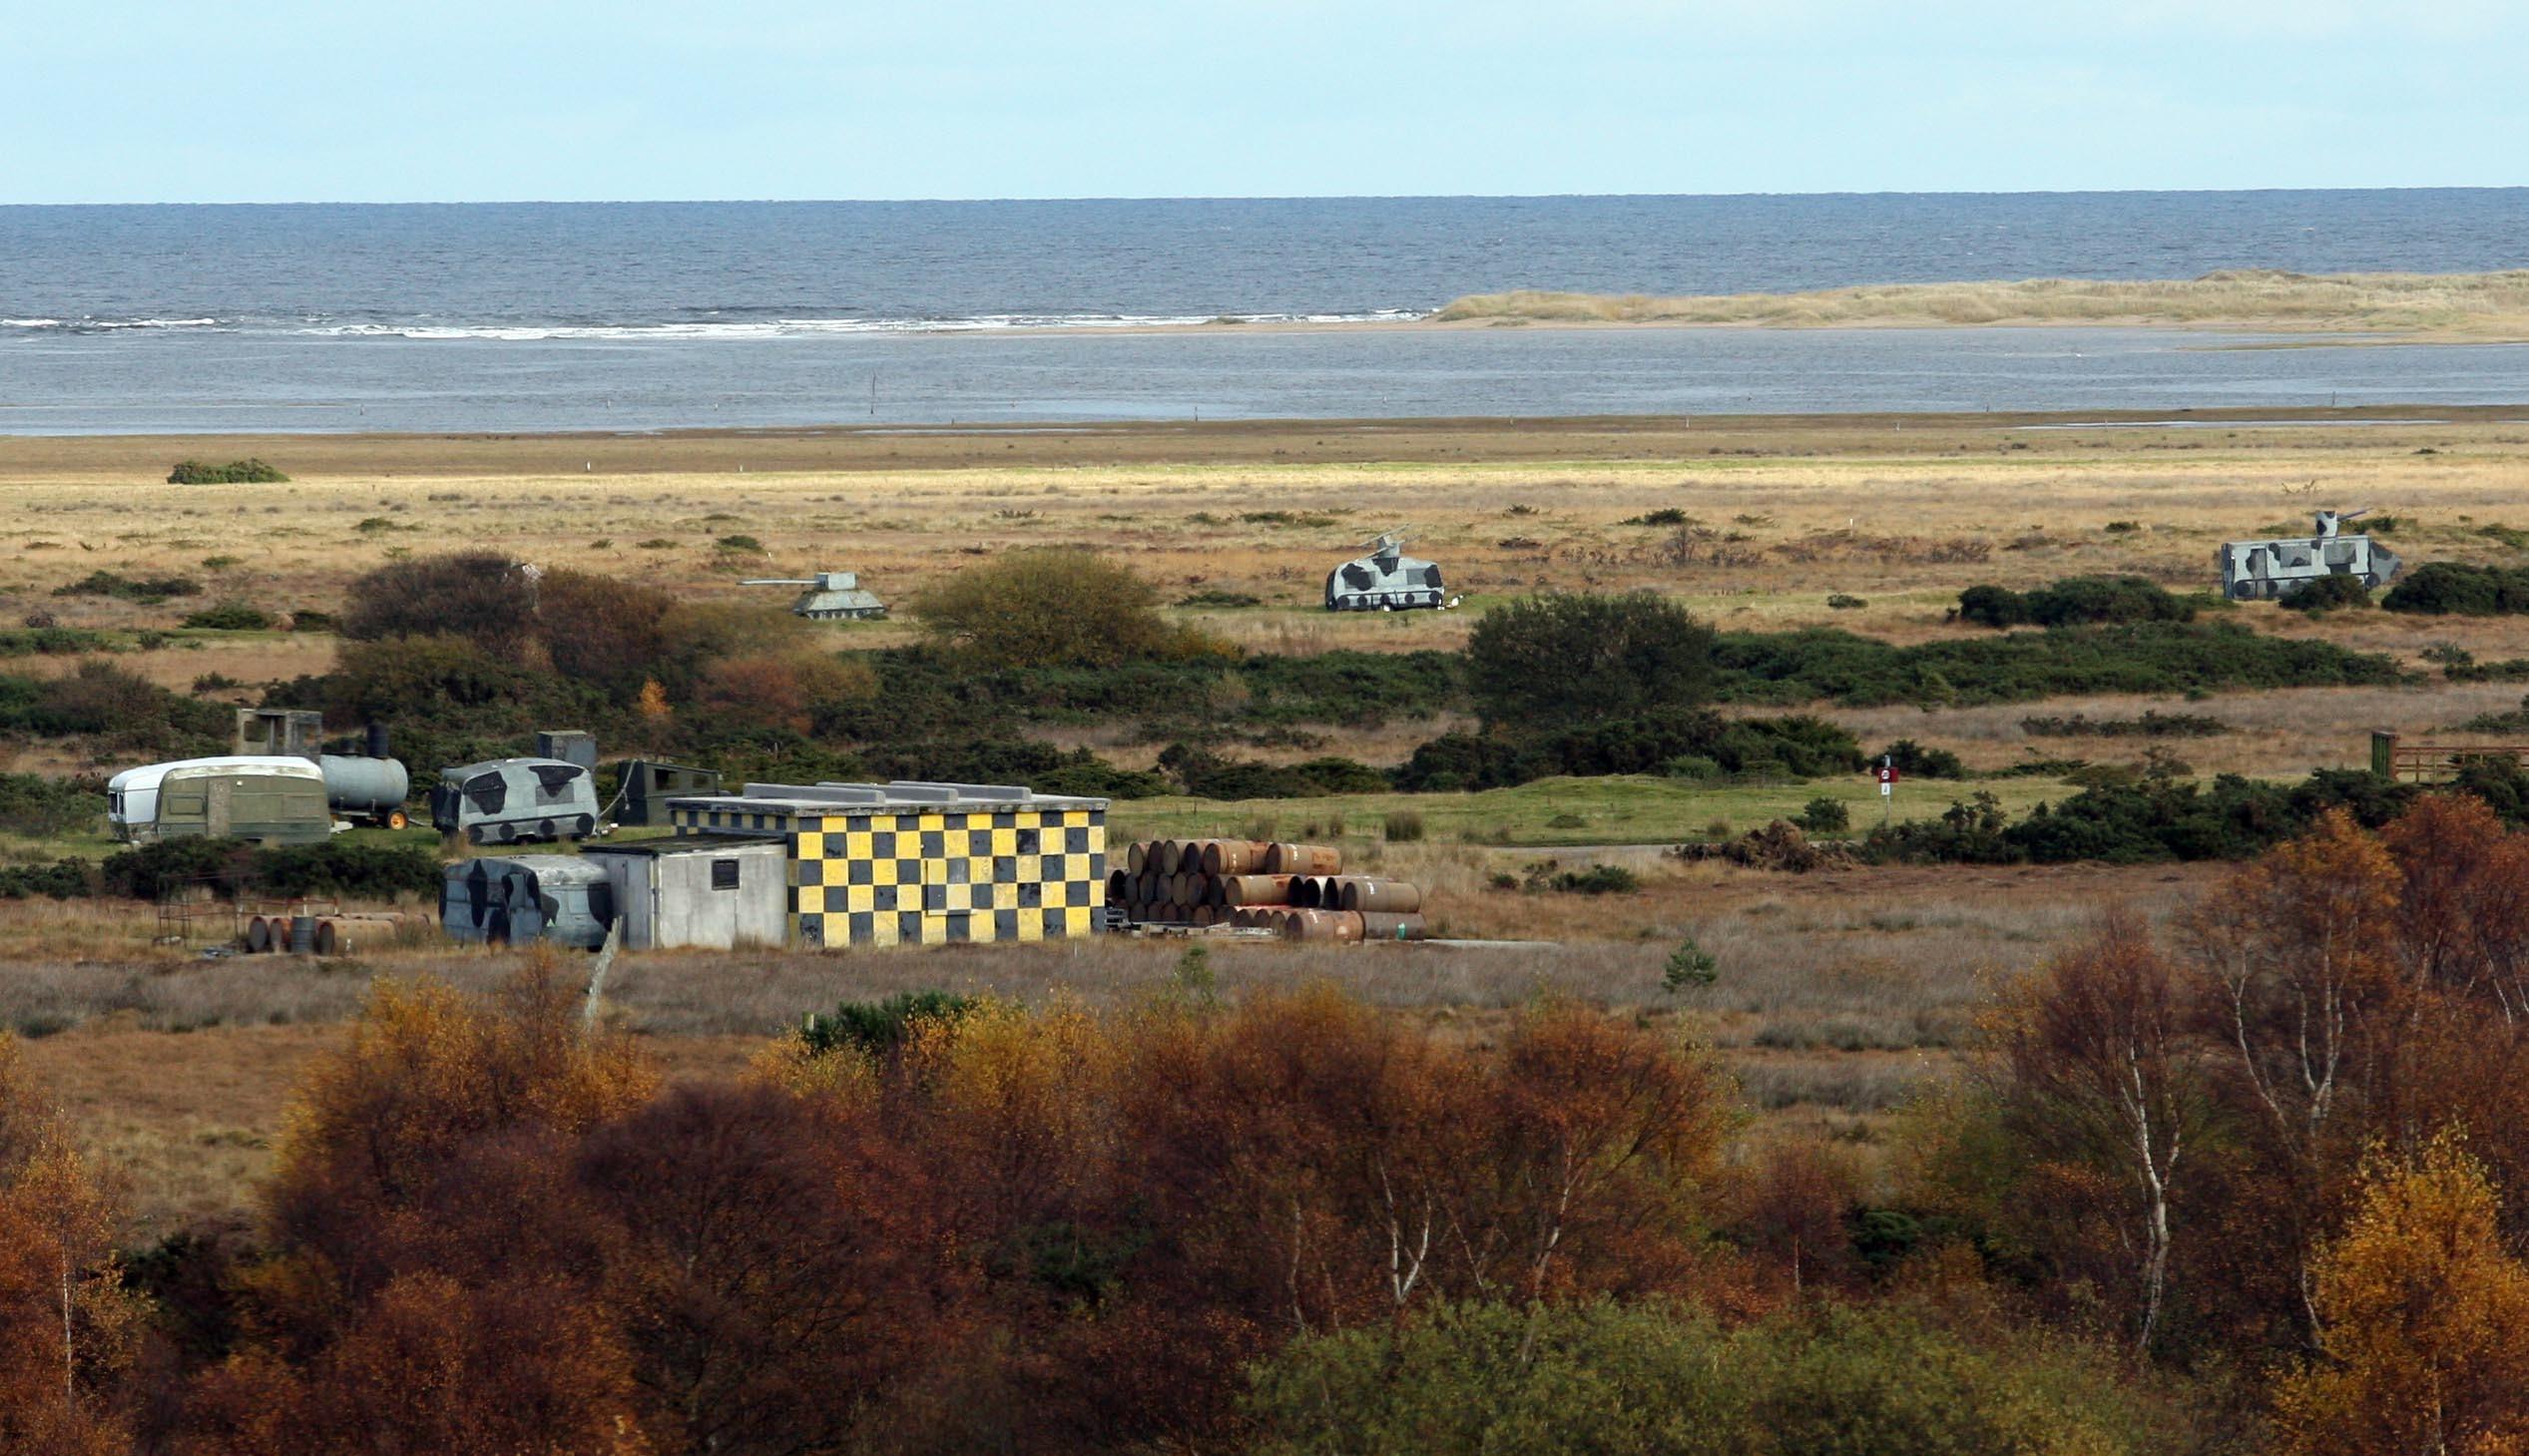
{"x":2472,"y":305}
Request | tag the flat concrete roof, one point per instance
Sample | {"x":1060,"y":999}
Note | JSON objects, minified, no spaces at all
{"x":715,"y":844}
{"x":896,"y":796}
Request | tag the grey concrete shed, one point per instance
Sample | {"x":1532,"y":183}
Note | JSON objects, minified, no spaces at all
{"x":716,"y":895}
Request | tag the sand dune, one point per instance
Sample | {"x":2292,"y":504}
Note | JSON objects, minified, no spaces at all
{"x":2471,"y":306}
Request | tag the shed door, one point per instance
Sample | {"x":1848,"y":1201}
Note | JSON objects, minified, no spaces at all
{"x":220,"y":810}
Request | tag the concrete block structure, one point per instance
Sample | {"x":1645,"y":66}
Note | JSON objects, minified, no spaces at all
{"x":909,"y":863}
{"x":712,"y":894}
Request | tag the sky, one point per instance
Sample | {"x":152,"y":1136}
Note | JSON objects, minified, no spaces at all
{"x":282,"y":100}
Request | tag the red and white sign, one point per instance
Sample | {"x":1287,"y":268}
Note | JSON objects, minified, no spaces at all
{"x":1887,"y":775}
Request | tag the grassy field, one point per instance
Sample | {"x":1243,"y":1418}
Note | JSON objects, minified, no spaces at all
{"x":1839,"y":991}
{"x":1622,"y":810}
{"x":1838,"y":995}
{"x":1777,"y":516}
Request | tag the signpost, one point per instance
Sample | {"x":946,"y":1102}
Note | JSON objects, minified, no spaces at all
{"x":1887,"y":788}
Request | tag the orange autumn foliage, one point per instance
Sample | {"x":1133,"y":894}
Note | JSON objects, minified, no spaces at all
{"x":2423,"y":1321}
{"x":67,"y":1326}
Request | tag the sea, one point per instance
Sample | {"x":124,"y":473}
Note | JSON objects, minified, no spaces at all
{"x":645,"y":317}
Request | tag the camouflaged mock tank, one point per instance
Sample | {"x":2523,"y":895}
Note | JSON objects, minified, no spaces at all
{"x":2264,"y":570}
{"x":1386,"y":580}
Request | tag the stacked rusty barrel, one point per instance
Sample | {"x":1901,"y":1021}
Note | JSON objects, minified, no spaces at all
{"x":1298,"y":891}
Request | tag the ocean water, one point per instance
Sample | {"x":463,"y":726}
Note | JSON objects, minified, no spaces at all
{"x":642,"y":317}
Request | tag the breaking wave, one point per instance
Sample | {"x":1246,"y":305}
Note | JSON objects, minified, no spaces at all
{"x":711,"y":329}
{"x":809,"y":327}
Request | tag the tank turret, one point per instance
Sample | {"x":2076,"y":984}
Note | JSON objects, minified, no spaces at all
{"x":2264,"y":570}
{"x":1386,"y":580}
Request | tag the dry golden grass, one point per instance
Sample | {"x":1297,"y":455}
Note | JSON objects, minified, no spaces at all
{"x":1900,"y":516}
{"x":2481,"y":307}
{"x":1838,"y":995}
{"x":1839,"y":991}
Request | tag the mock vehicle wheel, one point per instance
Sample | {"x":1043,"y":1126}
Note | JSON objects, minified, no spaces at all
{"x":583,"y":826}
{"x":545,"y":830}
{"x":396,"y":819}
{"x":474,"y":836}
{"x":509,"y":833}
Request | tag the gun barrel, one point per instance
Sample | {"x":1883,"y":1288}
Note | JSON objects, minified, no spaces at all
{"x":2350,"y":515}
{"x":778,"y":582}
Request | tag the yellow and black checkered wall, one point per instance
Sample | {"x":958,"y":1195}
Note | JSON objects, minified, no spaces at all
{"x":912,"y":877}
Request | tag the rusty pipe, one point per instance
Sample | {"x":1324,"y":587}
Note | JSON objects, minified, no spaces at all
{"x":1378,"y":925}
{"x":1257,"y":889}
{"x":1387,"y":896}
{"x":1334,"y":926}
{"x":1304,"y":860}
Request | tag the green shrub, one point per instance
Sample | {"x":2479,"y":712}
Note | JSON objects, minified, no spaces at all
{"x":35,"y":806}
{"x":1405,"y":826}
{"x":2074,"y":601}
{"x":743,"y":545}
{"x":2327,"y":594}
{"x":1913,"y":760}
{"x":2453,"y":589}
{"x":1824,"y":1379}
{"x":61,"y":879}
{"x":232,"y":867}
{"x":878,"y":1028}
{"x":1206,"y":775}
{"x":1816,"y":664}
{"x":1548,"y":660}
{"x":1599,"y":879}
{"x":150,"y":590}
{"x":1220,"y":601}
{"x":1825,"y":817}
{"x":231,"y":616}
{"x":53,"y":642}
{"x":2152,"y":724}
{"x":1846,"y":602}
{"x":122,"y":710}
{"x":236,"y":472}
{"x":2155,"y":816}
{"x":1680,"y":742}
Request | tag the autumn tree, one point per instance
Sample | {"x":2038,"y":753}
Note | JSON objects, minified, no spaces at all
{"x":783,"y":691}
{"x":2423,"y":1321}
{"x":68,"y":1327}
{"x":601,"y":630}
{"x":1053,"y":605}
{"x":2299,"y":984}
{"x":2100,"y":1077}
{"x":482,"y":595}
{"x":2462,"y":924}
{"x":769,"y":1265}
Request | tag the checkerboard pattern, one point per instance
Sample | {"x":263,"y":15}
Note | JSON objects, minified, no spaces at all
{"x":912,"y":878}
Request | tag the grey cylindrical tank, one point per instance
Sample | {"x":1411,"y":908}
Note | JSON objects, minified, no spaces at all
{"x":363,"y":786}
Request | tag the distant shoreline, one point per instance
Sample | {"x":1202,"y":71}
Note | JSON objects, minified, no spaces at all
{"x":2483,"y":307}
{"x":1472,"y":442}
